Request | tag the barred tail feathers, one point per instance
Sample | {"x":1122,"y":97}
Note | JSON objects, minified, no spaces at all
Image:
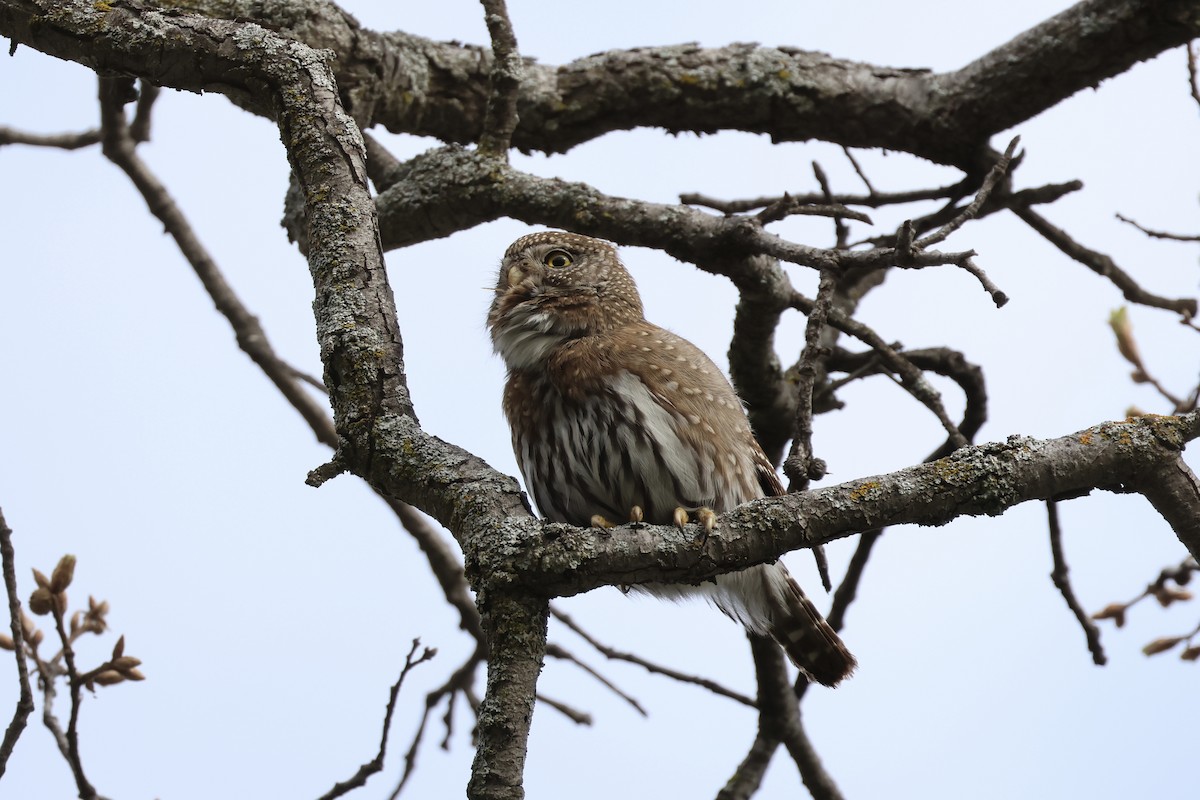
{"x":796,"y":624}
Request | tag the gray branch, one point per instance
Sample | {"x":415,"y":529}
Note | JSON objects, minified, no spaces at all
{"x":409,"y":84}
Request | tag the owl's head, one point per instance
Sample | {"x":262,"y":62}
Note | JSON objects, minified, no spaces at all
{"x":554,"y":287}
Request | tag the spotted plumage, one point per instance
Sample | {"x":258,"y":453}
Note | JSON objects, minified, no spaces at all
{"x":610,"y":412}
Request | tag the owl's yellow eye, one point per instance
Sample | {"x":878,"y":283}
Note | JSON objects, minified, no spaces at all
{"x":557,"y":259}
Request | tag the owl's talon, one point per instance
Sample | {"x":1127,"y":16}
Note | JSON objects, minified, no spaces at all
{"x":680,"y":516}
{"x":635,"y":517}
{"x":707,"y":519}
{"x":600,"y":522}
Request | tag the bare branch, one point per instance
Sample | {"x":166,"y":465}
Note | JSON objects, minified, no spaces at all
{"x":86,"y":790}
{"x":858,"y":170}
{"x":872,"y":200}
{"x":16,"y":625}
{"x":997,"y":172}
{"x":1062,"y":582}
{"x":64,"y":141}
{"x":1141,"y":453}
{"x":911,"y":378}
{"x":459,"y":681}
{"x":841,"y":233}
{"x":573,"y":714}
{"x":1102,"y":265}
{"x":504,"y":82}
{"x":560,"y":652}
{"x":801,"y":466}
{"x":376,"y":764}
{"x":656,"y":669}
{"x":748,"y":777}
{"x":1176,"y":237}
{"x":780,"y":716}
{"x":120,"y":148}
{"x":1193,"y":83}
{"x":414,"y":85}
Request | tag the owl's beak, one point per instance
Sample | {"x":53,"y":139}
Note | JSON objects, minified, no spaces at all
{"x":515,"y":275}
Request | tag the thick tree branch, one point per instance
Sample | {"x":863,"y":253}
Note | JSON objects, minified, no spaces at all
{"x":516,"y":644}
{"x":412,"y":85}
{"x":1140,"y":454}
{"x":448,"y":189}
{"x":360,"y":341}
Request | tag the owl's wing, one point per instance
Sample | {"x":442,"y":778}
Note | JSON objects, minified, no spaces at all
{"x":768,"y":478}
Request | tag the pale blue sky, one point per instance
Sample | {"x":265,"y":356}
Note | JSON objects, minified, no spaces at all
{"x":272,"y":617}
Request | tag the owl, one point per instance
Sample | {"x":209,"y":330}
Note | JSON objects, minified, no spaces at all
{"x":614,"y":418}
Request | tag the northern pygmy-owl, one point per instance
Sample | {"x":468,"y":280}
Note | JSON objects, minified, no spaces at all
{"x":609,"y":412}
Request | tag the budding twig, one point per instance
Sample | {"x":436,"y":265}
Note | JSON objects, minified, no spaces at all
{"x":16,"y":625}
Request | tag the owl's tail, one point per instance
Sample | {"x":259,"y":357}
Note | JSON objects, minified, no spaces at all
{"x":768,"y":602}
{"x":794,"y":622}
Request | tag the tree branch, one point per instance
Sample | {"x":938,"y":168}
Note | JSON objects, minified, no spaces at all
{"x":1102,"y":265}
{"x":504,"y":82}
{"x":359,"y":778}
{"x":780,"y":717}
{"x":16,"y":625}
{"x":413,"y":85}
{"x":1140,"y":454}
{"x":1062,"y":582}
{"x":516,"y":644}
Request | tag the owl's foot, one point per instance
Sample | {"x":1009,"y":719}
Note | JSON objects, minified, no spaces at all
{"x":635,"y":519}
{"x":706,"y":518}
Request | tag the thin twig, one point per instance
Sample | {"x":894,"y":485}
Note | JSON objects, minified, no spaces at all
{"x":573,"y":714}
{"x":910,"y":377}
{"x":1102,"y":265}
{"x":376,"y":764}
{"x":139,"y":128}
{"x":119,"y":146}
{"x":998,"y":296}
{"x":48,"y":675}
{"x":1062,"y":581}
{"x":459,"y":681}
{"x":560,"y":652}
{"x":786,"y":206}
{"x":25,"y":700}
{"x":841,"y":232}
{"x":858,"y":170}
{"x":872,"y":200}
{"x":86,"y":790}
{"x":504,"y":83}
{"x":969,"y":213}
{"x":1159,"y":590}
{"x":1175,"y":237}
{"x":800,"y":465}
{"x":617,"y":655}
{"x":62,"y":141}
{"x":998,"y":201}
{"x":1192,"y":79}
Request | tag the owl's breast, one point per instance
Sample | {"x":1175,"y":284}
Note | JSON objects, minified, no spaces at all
{"x":615,"y":446}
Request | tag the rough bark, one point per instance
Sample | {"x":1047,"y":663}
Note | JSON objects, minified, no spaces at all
{"x":413,"y":85}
